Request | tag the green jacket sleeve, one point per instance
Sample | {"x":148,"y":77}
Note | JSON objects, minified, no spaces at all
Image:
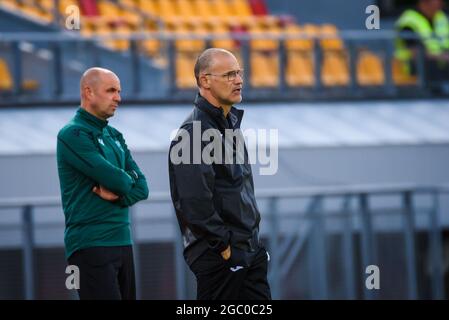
{"x":140,"y":190}
{"x":79,"y":150}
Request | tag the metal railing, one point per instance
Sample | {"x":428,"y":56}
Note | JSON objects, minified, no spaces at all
{"x":308,"y":229}
{"x":292,"y":245}
{"x":381,"y":42}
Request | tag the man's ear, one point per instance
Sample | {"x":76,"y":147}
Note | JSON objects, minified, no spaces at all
{"x":88,"y":91}
{"x":204,"y":81}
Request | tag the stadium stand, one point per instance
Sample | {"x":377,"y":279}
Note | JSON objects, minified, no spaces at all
{"x":221,"y":20}
{"x":359,"y":182}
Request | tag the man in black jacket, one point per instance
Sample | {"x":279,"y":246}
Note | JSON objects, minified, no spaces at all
{"x":213,"y":196}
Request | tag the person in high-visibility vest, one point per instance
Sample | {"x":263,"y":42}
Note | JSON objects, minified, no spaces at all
{"x":430,"y":25}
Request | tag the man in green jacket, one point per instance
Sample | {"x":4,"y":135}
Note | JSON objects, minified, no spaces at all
{"x":99,"y":180}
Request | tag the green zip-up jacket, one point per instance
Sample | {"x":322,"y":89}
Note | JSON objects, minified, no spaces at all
{"x":91,"y":153}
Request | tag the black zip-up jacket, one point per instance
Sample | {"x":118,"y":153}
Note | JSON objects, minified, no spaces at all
{"x":214,"y":203}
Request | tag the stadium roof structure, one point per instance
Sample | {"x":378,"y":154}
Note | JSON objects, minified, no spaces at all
{"x":147,"y":129}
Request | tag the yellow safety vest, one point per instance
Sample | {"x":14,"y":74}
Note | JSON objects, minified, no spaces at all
{"x":435,"y":40}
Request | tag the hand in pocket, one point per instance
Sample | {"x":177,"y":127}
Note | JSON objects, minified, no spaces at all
{"x":238,"y":259}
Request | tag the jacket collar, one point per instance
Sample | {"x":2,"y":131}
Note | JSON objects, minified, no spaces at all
{"x":235,"y":115}
{"x":91,"y":119}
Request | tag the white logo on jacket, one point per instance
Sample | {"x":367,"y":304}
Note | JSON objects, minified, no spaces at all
{"x":236,"y":268}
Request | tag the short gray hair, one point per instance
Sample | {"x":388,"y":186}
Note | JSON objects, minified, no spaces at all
{"x":205,"y":60}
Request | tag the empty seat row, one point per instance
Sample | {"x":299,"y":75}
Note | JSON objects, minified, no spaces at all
{"x":7,"y":81}
{"x":222,"y":20}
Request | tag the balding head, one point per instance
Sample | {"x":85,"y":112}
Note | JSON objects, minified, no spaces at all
{"x":100,"y":92}
{"x":219,"y":78}
{"x":92,"y":77}
{"x":207,"y":59}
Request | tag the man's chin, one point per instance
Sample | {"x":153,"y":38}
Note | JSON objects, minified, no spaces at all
{"x":238,"y":100}
{"x":109,"y":115}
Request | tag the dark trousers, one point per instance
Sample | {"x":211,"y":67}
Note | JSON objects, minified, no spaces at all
{"x":106,"y":273}
{"x":242,"y":277}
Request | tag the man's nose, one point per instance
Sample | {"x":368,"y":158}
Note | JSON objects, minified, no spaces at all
{"x":238,"y":78}
{"x":117,"y":97}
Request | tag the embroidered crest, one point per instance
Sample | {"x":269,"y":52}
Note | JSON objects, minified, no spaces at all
{"x":101,"y":142}
{"x":119,"y":145}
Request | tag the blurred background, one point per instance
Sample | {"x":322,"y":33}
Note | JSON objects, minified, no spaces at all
{"x":361,"y":108}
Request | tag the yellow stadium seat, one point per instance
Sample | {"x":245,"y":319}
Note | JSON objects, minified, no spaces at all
{"x":148,"y":7}
{"x":334,"y":69}
{"x":264,"y":57}
{"x":185,"y":8}
{"x":47,"y":4}
{"x":152,"y":46}
{"x":108,"y":9}
{"x":7,"y":82}
{"x":37,"y":9}
{"x":241,"y":8}
{"x":400,"y":77}
{"x":300,"y":66}
{"x":261,"y":42}
{"x":40,"y":10}
{"x":222,"y":8}
{"x":64,"y":4}
{"x":29,"y":8}
{"x":264,"y":70}
{"x":311,"y":30}
{"x":268,"y":22}
{"x":102,"y":28}
{"x":240,"y":11}
{"x":203,"y":8}
{"x":30,"y":85}
{"x":300,"y":69}
{"x":131,"y":18}
{"x":305,"y":44}
{"x":122,"y":30}
{"x":331,"y":40}
{"x":113,"y":12}
{"x":87,"y":27}
{"x":167,"y":10}
{"x":47,"y":16}
{"x":129,"y":3}
{"x":370,"y":69}
{"x":10,"y":4}
{"x":224,"y":37}
{"x":334,"y":66}
{"x":185,"y":44}
{"x":185,"y":64}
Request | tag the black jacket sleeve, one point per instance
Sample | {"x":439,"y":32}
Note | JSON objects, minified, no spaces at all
{"x":192,"y":193}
